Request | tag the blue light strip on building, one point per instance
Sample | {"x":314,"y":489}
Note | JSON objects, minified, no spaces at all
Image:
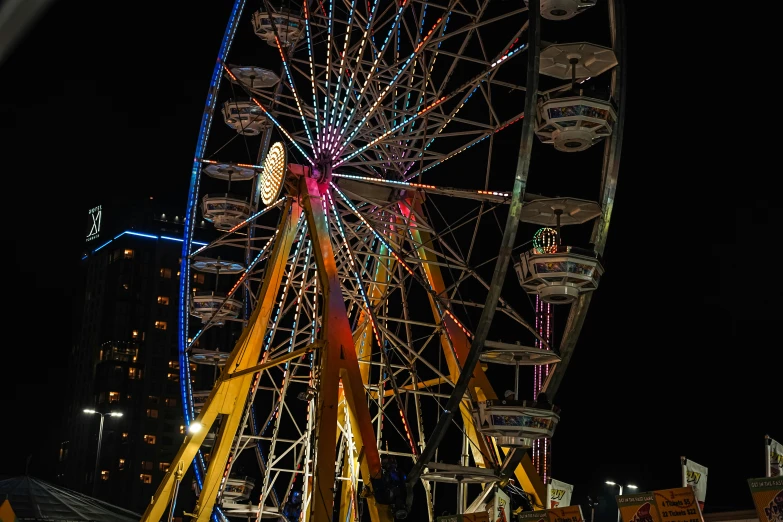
{"x":148,"y":236}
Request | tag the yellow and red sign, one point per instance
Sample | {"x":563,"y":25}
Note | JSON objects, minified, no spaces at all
{"x":666,"y":505}
{"x":768,"y":497}
{"x":564,"y":514}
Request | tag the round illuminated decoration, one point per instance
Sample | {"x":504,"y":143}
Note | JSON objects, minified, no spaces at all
{"x":274,"y":172}
{"x":545,"y":241}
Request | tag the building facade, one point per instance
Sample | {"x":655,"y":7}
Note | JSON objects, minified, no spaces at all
{"x":125,"y":358}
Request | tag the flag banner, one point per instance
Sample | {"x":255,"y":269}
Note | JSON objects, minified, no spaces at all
{"x":775,"y":449}
{"x":501,"y":507}
{"x":666,"y":505}
{"x":467,"y":517}
{"x":559,"y":493}
{"x":696,"y":475}
{"x":768,"y":498}
{"x":564,"y":514}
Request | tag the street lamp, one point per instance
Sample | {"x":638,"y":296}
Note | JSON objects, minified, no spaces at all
{"x":629,"y":486}
{"x":100,"y":438}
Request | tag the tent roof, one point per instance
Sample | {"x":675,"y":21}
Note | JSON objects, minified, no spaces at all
{"x":33,"y":499}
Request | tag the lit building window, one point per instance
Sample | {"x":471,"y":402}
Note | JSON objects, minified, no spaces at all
{"x":135,"y":334}
{"x":114,"y":397}
{"x":161,"y":325}
{"x":198,"y":278}
{"x":145,"y":478}
{"x":163,"y":300}
{"x":164,"y":466}
{"x":104,"y":474}
{"x":146,"y":465}
{"x":128,"y":253}
{"x":182,"y":429}
{"x":121,"y":464}
{"x":149,"y":439}
{"x":170,"y":402}
{"x":125,"y":286}
{"x":153,"y":414}
{"x":134,"y":373}
{"x":165,"y":273}
{"x":174,"y":364}
{"x":173,"y":377}
{"x":63,"y":451}
{"x":124,"y":436}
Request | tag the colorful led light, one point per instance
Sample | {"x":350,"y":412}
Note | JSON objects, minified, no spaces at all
{"x":275,"y":166}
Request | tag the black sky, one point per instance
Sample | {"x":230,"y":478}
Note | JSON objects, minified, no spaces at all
{"x":680,"y":353}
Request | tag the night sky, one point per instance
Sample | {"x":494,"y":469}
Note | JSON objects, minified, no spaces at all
{"x":680,"y":352}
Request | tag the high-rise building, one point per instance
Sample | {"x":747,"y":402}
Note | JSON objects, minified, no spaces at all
{"x":125,"y":356}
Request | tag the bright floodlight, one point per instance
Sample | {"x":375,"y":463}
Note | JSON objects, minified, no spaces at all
{"x":116,"y":414}
{"x":611,"y":483}
{"x":631,"y":486}
{"x":89,"y":411}
{"x":274,"y":173}
{"x":195,"y":427}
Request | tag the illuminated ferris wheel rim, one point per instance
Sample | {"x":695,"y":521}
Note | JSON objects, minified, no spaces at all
{"x":294,"y":140}
{"x":359,"y":128}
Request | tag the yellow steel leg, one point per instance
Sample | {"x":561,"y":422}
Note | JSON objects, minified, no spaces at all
{"x":480,"y":388}
{"x":338,"y":363}
{"x":228,"y":396}
{"x":363,"y":343}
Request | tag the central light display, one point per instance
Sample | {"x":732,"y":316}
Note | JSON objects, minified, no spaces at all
{"x":274,"y":172}
{"x":545,"y":241}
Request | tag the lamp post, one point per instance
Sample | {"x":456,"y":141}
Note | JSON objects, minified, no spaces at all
{"x":629,"y":486}
{"x":100,"y":438}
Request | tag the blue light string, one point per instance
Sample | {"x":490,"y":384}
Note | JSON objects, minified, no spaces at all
{"x":190,"y":216}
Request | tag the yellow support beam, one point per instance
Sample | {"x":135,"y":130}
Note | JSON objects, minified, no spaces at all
{"x":480,"y":387}
{"x":229,"y":395}
{"x":337,"y":364}
{"x":418,"y":386}
{"x":363,"y":342}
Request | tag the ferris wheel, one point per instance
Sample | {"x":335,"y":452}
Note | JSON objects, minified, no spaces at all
{"x":368,"y":166}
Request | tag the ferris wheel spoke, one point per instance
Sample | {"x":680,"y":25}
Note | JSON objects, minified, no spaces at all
{"x":309,"y":40}
{"x":374,"y":322}
{"x":338,"y":84}
{"x":369,"y":77}
{"x":398,"y":74}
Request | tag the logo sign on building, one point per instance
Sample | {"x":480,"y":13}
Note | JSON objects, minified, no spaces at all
{"x":94,"y":218}
{"x":564,"y":514}
{"x":768,"y":497}
{"x":559,"y":493}
{"x":666,"y":505}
